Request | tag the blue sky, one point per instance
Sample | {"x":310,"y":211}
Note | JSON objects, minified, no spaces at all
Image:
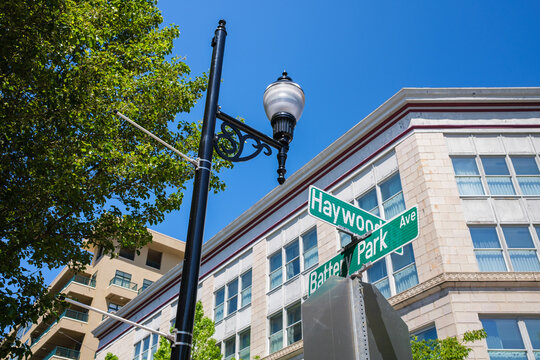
{"x":349,"y":57}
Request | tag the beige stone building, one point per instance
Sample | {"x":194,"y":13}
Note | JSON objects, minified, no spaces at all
{"x":468,"y":158}
{"x":108,"y":284}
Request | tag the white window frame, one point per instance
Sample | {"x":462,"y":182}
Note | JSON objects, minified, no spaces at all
{"x":227,"y":297}
{"x":245,"y":289}
{"x":236,"y":339}
{"x":518,"y":192}
{"x":390,"y":273}
{"x":229,"y":340}
{"x":231,"y":296}
{"x":301,"y":259}
{"x":523,"y":332}
{"x":153,"y":343}
{"x":222,"y":304}
{"x":283,"y":313}
{"x":240,"y":334}
{"x":533,"y":232}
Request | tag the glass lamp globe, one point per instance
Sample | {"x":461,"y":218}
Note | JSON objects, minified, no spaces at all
{"x":283,"y":102}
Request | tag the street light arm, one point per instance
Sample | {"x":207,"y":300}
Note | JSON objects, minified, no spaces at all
{"x":248,"y":129}
{"x":229,"y":144}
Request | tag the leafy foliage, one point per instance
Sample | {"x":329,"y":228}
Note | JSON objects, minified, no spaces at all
{"x":450,"y":348}
{"x":70,"y":171}
{"x":111,"y":356}
{"x":204,"y":346}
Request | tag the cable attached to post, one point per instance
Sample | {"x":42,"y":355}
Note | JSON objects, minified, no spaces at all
{"x":116,"y":317}
{"x":193,"y":162}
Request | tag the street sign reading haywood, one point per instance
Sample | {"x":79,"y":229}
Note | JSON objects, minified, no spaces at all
{"x":334,"y":211}
{"x":393,"y":235}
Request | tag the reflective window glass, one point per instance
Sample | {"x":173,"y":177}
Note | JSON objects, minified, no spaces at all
{"x":502,"y":334}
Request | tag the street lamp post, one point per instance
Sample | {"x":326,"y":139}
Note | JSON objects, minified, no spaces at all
{"x":283,"y":102}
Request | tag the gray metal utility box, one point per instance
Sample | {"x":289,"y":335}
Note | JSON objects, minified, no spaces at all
{"x":346,"y":319}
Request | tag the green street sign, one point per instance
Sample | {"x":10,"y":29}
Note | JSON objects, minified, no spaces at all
{"x":336,"y":212}
{"x":393,"y":235}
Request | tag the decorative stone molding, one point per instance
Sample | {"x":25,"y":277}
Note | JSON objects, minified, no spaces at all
{"x":465,"y":280}
{"x":286,"y":353}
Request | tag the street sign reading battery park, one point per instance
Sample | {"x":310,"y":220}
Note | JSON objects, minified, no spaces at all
{"x":386,"y":237}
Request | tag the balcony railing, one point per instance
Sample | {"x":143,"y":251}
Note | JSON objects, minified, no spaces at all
{"x":81,"y":279}
{"x":69,"y":313}
{"x":63,"y":352}
{"x":142,"y":289}
{"x":85,"y":280}
{"x":123,"y":283}
{"x":74,"y":314}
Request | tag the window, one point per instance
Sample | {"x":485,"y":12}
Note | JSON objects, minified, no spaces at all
{"x":504,"y":248}
{"x":527,"y":174}
{"x":241,"y":342}
{"x":293,"y":326}
{"x":378,"y":275}
{"x":497,"y":175}
{"x":402,"y":270}
{"x":99,"y":253}
{"x":429,"y":333}
{"x":276,"y":274}
{"x":246,"y":289}
{"x":369,"y":202}
{"x":311,"y":255}
{"x":230,"y":348}
{"x":232,"y":300}
{"x":512,"y":338}
{"x":146,"y":348}
{"x":146,"y":283}
{"x":153,"y":259}
{"x":123,"y":279}
{"x":240,"y":285}
{"x":219,"y":306}
{"x":244,"y":341}
{"x":500,"y":175}
{"x":394,"y":273}
{"x":112,"y":307}
{"x":127,"y":253}
{"x":306,"y":245}
{"x":292,"y":260}
{"x":390,"y":198}
{"x":467,"y":176}
{"x":276,"y":333}
{"x":122,"y":275}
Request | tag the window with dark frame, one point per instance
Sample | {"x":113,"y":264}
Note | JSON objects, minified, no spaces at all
{"x":127,"y":253}
{"x":153,"y":259}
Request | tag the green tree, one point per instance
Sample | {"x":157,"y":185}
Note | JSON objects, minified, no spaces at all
{"x":111,"y":356}
{"x":204,"y":346}
{"x":70,"y":171}
{"x":450,"y":348}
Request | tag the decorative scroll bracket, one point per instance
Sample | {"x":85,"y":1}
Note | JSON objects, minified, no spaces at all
{"x":229,"y":144}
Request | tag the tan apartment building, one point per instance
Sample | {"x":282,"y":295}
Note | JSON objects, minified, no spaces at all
{"x":108,"y":284}
{"x":468,"y":158}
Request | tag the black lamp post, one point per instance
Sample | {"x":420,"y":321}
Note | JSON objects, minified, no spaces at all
{"x":283,"y":102}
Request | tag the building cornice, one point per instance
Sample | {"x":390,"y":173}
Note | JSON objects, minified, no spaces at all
{"x":288,"y":352}
{"x":463,"y":280}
